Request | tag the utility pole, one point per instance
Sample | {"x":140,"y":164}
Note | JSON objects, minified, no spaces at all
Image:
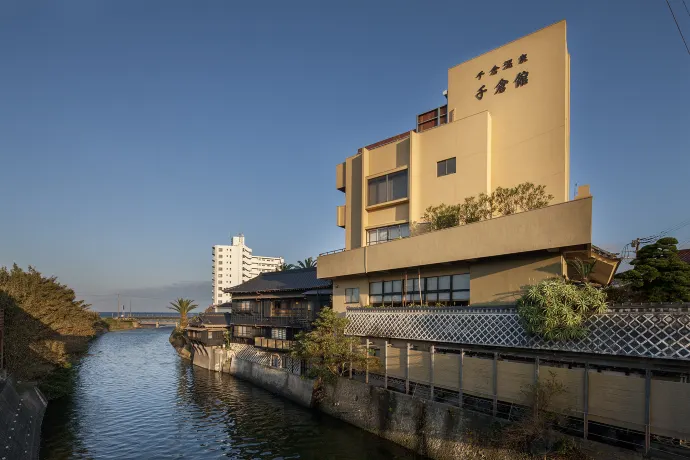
{"x":118,"y":305}
{"x":636,"y":244}
{"x":130,"y":308}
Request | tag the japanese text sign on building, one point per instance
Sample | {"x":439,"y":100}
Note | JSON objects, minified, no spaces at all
{"x":521,"y":79}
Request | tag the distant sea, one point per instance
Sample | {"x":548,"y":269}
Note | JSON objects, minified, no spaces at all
{"x":110,"y":314}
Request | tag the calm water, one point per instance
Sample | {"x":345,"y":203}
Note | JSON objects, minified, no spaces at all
{"x":136,"y":399}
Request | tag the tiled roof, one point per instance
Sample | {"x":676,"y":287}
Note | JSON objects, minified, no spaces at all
{"x":211,"y":319}
{"x":303,"y":279}
{"x":684,"y":255}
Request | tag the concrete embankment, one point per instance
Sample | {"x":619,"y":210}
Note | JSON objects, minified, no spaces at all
{"x":435,"y":430}
{"x":21,"y":412}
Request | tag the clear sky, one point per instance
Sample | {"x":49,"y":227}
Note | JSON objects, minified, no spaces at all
{"x":134,"y":135}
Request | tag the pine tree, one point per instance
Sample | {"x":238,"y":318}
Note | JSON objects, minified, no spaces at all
{"x":659,"y":275}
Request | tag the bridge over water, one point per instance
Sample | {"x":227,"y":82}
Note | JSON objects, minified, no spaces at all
{"x":152,"y":319}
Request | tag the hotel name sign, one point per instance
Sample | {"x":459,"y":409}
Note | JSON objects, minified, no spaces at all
{"x":521,"y":79}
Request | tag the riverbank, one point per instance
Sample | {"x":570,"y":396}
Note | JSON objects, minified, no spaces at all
{"x":117,"y":324}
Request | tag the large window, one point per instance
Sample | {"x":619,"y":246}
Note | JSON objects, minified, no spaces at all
{"x":432,"y":290}
{"x":387,"y":188}
{"x":383,"y":234}
{"x":244,"y":306}
{"x":386,"y":292}
{"x":351,"y":295}
{"x":445,"y":167}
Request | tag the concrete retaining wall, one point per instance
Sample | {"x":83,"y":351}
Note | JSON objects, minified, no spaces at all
{"x":21,"y":413}
{"x":277,"y":381}
{"x":436,"y":430}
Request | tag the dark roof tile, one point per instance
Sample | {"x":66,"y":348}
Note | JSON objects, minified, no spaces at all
{"x":288,"y":280}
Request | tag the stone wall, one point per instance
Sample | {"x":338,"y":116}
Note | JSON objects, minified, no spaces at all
{"x":21,"y":413}
{"x":275,"y":380}
{"x":435,"y":430}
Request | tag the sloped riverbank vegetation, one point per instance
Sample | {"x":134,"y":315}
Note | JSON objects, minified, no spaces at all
{"x":46,"y":328}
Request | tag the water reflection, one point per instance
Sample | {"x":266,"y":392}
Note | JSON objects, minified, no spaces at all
{"x":136,"y":399}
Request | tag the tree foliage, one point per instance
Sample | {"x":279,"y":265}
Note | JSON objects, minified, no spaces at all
{"x":556,"y":310}
{"x":501,"y":202}
{"x":45,"y":326}
{"x":183,"y":307}
{"x":659,"y":275}
{"x":309,"y":262}
{"x":328,"y":351}
{"x":283,"y":267}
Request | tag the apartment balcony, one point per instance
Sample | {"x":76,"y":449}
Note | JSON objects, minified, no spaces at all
{"x":273,"y":344}
{"x":646,"y":331}
{"x":340,"y":217}
{"x":255,"y":320}
{"x":558,"y":226}
{"x":340,"y":177}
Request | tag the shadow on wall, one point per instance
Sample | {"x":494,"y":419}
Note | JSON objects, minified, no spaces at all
{"x":517,"y":273}
{"x":35,"y":351}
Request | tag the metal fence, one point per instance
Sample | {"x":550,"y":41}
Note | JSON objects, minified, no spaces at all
{"x":275,"y":360}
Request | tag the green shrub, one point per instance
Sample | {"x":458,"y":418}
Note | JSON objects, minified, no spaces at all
{"x":556,"y":310}
{"x":501,"y":202}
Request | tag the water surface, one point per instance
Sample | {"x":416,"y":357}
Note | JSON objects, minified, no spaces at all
{"x":136,"y":399}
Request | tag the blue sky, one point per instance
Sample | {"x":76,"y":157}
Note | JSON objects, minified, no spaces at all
{"x":135,"y":135}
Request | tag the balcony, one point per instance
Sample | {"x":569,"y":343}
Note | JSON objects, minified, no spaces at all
{"x":639,"y":332}
{"x":558,"y":226}
{"x":340,"y":218}
{"x":340,"y":177}
{"x":287,"y":321}
{"x":273,"y":344}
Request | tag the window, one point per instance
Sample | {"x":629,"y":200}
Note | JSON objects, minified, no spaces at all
{"x":461,"y":288}
{"x":387,"y":188}
{"x":383,"y":234}
{"x":220,"y":249}
{"x":243,"y":331}
{"x":385,"y":292}
{"x":279,"y":333}
{"x":352,"y":295}
{"x":445,"y":167}
{"x":220,"y":256}
{"x":242,"y":305}
{"x":412,"y":291}
{"x":437,"y":289}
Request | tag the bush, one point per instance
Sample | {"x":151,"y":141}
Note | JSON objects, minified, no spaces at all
{"x":442,"y":216}
{"x":45,"y":326}
{"x":501,"y":202}
{"x":556,"y":310}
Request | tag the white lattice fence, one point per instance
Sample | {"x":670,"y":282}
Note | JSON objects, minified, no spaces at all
{"x":633,"y":333}
{"x":256,"y":355}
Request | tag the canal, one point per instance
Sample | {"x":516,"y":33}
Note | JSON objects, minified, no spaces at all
{"x":136,"y":399}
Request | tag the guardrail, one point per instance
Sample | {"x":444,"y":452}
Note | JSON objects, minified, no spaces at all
{"x":335,"y":251}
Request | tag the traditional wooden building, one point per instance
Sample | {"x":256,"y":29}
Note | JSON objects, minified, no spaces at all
{"x":269,"y":310}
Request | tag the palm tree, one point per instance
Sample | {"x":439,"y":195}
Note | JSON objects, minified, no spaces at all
{"x":282,"y":267}
{"x":183,"y":307}
{"x":309,"y":262}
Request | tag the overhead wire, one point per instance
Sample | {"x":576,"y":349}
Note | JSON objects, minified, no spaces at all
{"x":678,"y":26}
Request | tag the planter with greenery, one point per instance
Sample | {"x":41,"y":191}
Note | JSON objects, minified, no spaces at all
{"x":501,"y":202}
{"x":556,"y":309}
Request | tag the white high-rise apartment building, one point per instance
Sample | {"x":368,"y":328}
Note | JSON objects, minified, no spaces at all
{"x":234,"y":264}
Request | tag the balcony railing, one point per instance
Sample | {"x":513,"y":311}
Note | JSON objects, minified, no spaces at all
{"x":291,"y":321}
{"x":637,"y":332}
{"x":273,"y":344}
